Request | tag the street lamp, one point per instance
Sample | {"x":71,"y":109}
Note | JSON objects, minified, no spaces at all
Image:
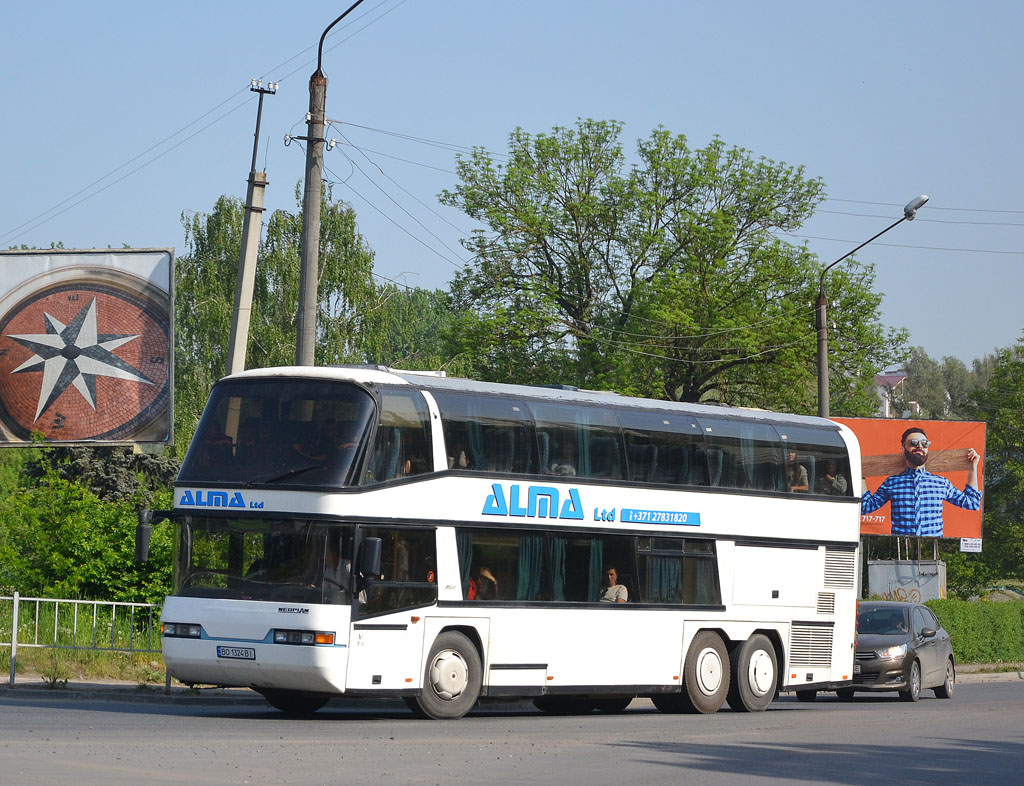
{"x":309,"y":242}
{"x":909,"y":211}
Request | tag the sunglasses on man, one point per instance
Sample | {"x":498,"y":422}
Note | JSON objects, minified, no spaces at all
{"x":918,"y":443}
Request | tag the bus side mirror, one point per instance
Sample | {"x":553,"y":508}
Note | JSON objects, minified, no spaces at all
{"x":369,"y":558}
{"x":143,"y":534}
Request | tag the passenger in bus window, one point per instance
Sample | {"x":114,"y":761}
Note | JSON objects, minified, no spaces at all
{"x":216,"y":446}
{"x":796,"y":474}
{"x":832,"y":481}
{"x":337,"y":570}
{"x":483,"y":586}
{"x":612,"y":591}
{"x":333,"y":440}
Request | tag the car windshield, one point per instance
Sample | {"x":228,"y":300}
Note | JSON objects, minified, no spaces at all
{"x":882,"y":620}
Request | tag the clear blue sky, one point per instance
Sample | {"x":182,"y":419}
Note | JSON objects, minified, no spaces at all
{"x":119,"y":116}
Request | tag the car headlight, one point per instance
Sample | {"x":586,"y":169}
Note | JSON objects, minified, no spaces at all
{"x":893,"y":653}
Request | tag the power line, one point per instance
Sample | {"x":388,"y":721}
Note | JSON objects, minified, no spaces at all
{"x":45,"y":216}
{"x":928,"y":220}
{"x":903,"y":245}
{"x":404,"y":190}
{"x":930,"y":207}
{"x":389,"y":218}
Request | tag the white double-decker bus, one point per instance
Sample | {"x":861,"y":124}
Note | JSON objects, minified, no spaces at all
{"x":366,"y":532}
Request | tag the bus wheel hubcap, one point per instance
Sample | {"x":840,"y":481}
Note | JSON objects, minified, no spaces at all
{"x":709,"y":671}
{"x":760,"y":674}
{"x":448,"y":674}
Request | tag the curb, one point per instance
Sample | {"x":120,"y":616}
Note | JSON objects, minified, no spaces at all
{"x":131,"y":693}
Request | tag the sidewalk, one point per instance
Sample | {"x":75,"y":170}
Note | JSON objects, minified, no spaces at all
{"x":33,"y":686}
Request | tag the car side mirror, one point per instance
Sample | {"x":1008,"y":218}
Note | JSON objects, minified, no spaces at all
{"x":927,"y":633}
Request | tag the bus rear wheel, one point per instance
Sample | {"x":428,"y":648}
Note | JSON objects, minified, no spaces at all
{"x":754,"y":675}
{"x":705,"y":674}
{"x":451,"y":683}
{"x":294,"y":702}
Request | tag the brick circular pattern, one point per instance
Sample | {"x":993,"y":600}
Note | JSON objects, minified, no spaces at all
{"x":123,"y":406}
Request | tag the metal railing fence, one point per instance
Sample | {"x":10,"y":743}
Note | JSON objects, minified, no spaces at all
{"x":111,"y":626}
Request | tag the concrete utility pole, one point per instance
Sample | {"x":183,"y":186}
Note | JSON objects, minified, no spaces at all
{"x":310,"y":242}
{"x":251,"y":230}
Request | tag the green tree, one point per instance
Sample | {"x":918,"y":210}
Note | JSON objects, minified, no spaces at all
{"x":665,"y":277}
{"x":1001,"y":404}
{"x":205,"y":280}
{"x":408,"y":328}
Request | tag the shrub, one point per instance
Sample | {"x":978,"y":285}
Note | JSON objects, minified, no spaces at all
{"x":983,"y":632}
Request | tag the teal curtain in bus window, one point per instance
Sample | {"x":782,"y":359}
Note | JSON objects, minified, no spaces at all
{"x":705,"y":583}
{"x":596,"y":569}
{"x":558,"y":567}
{"x":748,"y":454}
{"x":476,"y":436}
{"x":464,"y":541}
{"x":664,"y":580}
{"x":531,"y":561}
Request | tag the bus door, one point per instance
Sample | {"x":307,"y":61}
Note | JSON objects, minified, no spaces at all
{"x":386,"y":643}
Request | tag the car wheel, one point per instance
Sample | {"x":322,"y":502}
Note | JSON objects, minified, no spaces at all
{"x":806,"y":695}
{"x":845,"y":693}
{"x":452,"y":681}
{"x":706,"y":674}
{"x":754,"y":675}
{"x":913,"y":691}
{"x":945,"y":690}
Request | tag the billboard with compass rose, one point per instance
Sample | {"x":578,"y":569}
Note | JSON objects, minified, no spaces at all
{"x":86,"y":342}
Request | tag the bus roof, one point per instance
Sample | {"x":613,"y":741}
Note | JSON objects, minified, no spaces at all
{"x":380,"y":375}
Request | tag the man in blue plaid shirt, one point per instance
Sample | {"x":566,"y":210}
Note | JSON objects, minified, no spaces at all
{"x":917,"y":495}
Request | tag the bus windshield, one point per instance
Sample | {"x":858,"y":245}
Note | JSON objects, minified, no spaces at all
{"x":281,"y":559}
{"x":303,"y":432}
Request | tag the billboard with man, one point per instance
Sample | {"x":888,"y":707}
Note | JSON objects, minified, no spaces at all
{"x":921,"y":477}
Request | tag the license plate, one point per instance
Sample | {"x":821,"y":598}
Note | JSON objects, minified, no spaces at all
{"x":856,"y":668}
{"x":238,"y":653}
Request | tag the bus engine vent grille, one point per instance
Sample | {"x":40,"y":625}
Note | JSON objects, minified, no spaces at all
{"x":840,"y":568}
{"x":810,"y":645}
{"x":826,"y":603}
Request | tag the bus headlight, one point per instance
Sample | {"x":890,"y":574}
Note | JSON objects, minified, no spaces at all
{"x":303,"y":637}
{"x":183,"y":630}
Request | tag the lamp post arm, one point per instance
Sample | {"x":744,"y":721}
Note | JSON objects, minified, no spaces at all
{"x":320,"y":48}
{"x":821,"y":281}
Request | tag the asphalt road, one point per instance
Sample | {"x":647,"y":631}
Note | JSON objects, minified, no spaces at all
{"x":976,"y":738}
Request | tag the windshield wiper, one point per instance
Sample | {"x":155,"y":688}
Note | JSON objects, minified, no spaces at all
{"x":276,"y":478}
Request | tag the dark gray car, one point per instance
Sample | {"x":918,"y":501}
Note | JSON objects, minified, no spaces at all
{"x":901,"y":647}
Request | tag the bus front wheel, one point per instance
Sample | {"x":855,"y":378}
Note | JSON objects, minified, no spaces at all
{"x":754,"y":675}
{"x":705,"y":674}
{"x":452,"y":680}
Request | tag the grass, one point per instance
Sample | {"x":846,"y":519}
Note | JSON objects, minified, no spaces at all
{"x":87,"y":642}
{"x":57,"y":667}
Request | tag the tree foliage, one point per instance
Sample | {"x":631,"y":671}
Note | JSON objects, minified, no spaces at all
{"x":665,"y":277}
{"x":207,"y":273}
{"x":1001,"y":404}
{"x":940,"y":390}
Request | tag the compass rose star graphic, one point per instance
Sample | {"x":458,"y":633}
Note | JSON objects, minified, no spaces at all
{"x":74,"y":355}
